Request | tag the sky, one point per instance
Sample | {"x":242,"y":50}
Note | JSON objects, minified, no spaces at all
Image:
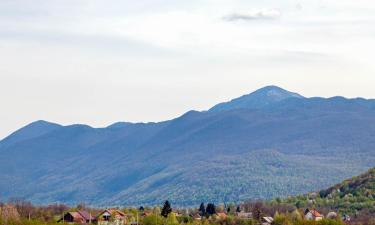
{"x":98,"y":62}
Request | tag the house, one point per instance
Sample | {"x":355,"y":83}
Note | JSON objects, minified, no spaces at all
{"x":266,"y":220}
{"x":112,"y":217}
{"x":79,"y":217}
{"x":312,"y":214}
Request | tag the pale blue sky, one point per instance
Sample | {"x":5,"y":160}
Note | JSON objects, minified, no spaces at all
{"x":98,"y":62}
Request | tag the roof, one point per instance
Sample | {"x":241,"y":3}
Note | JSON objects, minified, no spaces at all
{"x":113,"y":212}
{"x":314,"y":212}
{"x":195,"y":215}
{"x":76,"y":215}
{"x":268,"y":219}
{"x":86,"y":215}
{"x":147,"y":213}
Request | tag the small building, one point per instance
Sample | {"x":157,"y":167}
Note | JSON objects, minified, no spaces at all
{"x":112,"y":217}
{"x":79,"y":217}
{"x":312,"y":214}
{"x":266,"y":220}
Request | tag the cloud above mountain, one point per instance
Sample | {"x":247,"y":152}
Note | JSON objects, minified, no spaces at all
{"x":256,"y":14}
{"x":122,"y":59}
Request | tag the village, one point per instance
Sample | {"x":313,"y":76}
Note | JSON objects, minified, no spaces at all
{"x":255,"y":213}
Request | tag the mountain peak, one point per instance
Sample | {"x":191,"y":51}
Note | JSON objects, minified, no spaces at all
{"x":275,"y":92}
{"x":32,"y":130}
{"x":257,"y":99}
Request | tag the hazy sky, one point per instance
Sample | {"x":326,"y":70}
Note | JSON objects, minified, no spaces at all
{"x":98,"y":62}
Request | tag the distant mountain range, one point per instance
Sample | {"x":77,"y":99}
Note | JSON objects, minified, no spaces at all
{"x":270,"y":143}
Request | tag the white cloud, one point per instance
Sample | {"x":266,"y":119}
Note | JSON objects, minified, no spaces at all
{"x":255,"y":14}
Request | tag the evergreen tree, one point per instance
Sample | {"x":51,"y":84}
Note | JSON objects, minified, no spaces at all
{"x":202,"y":210}
{"x":238,"y":209}
{"x":166,"y":209}
{"x":210,"y":210}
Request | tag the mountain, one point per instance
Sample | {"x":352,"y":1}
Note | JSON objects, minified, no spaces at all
{"x":33,"y":130}
{"x":258,"y":99}
{"x":350,"y":196}
{"x":286,"y":145}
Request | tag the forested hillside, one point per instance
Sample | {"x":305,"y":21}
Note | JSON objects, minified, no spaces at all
{"x":353,"y":196}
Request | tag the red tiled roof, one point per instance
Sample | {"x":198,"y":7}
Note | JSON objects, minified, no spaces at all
{"x":147,"y":213}
{"x":113,"y":212}
{"x":85,"y":215}
{"x":76,"y":215}
{"x":316,"y":213}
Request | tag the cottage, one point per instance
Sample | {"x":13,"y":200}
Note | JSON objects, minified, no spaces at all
{"x":312,"y":214}
{"x":79,"y":217}
{"x":112,"y":217}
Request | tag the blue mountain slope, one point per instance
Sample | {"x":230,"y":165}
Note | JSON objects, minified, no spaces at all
{"x":220,"y":155}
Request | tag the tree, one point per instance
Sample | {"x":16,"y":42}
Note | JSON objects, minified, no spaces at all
{"x":171,"y":219}
{"x":238,"y":209}
{"x":210,"y":210}
{"x":141,"y":209}
{"x":202,"y":210}
{"x":153,"y":219}
{"x":258,"y":210}
{"x":166,"y":209}
{"x":81,"y":206}
{"x":156,"y":210}
{"x":296,"y":215}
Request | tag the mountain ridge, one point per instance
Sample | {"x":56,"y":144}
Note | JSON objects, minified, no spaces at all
{"x":219,"y":156}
